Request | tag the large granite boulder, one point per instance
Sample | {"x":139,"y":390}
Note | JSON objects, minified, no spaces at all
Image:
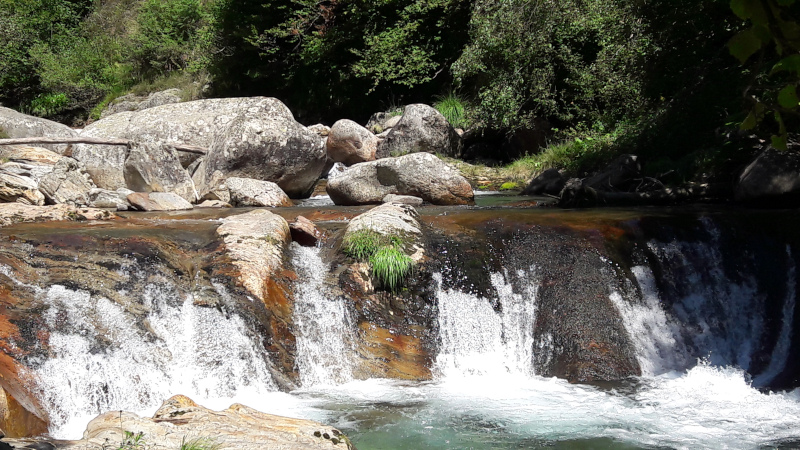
{"x":157,"y":168}
{"x":622,"y":174}
{"x":264,"y":142}
{"x":419,"y":174}
{"x":180,"y":422}
{"x":247,"y":137}
{"x":67,"y":183}
{"x":249,"y":192}
{"x":350,"y":143}
{"x":133,"y":102}
{"x":18,"y":125}
{"x":774,"y":176}
{"x":421,"y":129}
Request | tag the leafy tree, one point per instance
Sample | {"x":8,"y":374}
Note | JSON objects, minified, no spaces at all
{"x":570,"y":61}
{"x":340,"y":57}
{"x":773,"y":34}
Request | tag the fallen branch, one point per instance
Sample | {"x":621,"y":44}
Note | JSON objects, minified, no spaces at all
{"x":95,"y":141}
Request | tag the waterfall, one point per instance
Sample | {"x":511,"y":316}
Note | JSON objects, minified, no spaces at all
{"x":478,"y":340}
{"x":105,"y":356}
{"x":324,"y":327}
{"x":659,"y":347}
{"x":780,"y":353}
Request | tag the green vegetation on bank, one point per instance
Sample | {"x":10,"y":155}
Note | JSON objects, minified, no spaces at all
{"x":590,"y":80}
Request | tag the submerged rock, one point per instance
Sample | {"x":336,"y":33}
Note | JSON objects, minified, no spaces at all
{"x":11,"y":213}
{"x":420,"y":174}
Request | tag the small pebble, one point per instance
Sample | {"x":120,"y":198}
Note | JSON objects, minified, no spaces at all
{"x":317,"y":434}
{"x":326,"y":435}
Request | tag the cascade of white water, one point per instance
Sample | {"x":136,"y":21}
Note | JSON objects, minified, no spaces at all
{"x":324,"y":327}
{"x":780,"y":354}
{"x":477,"y":340}
{"x":724,"y":318}
{"x":657,"y":339}
{"x":102,"y":356}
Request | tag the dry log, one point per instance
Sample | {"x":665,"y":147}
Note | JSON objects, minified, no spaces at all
{"x":88,"y":140}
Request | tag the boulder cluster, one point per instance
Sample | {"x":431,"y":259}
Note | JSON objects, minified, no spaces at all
{"x":226,"y":152}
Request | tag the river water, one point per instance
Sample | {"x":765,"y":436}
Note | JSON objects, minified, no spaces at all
{"x":714,"y":348}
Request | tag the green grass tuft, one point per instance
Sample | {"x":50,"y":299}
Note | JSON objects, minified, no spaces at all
{"x":452,"y":107}
{"x":200,"y":444}
{"x":3,"y":134}
{"x":390,"y":267}
{"x":362,"y":244}
{"x":508,"y":185}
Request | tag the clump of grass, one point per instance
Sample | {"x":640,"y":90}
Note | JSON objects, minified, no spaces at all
{"x":452,"y":107}
{"x":3,"y":134}
{"x":362,"y":244}
{"x":390,"y":267}
{"x":200,"y":444}
{"x":389,"y":264}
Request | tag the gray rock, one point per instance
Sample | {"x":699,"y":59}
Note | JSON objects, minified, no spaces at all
{"x":421,"y":129}
{"x":103,"y":198}
{"x":157,"y":168}
{"x":772,"y":176}
{"x":264,"y":142}
{"x":377,"y":122}
{"x":158,"y":201}
{"x":249,"y":192}
{"x":214,"y":204}
{"x":304,"y":232}
{"x":199,"y":123}
{"x":18,"y":125}
{"x":31,"y":155}
{"x":133,"y":102}
{"x":622,"y":174}
{"x":549,"y":182}
{"x":392,"y":219}
{"x":67,"y":183}
{"x":404,"y":199}
{"x":179,"y":419}
{"x":105,"y":163}
{"x":419,"y":174}
{"x":349,"y":143}
{"x":391,"y":122}
{"x":19,"y":189}
{"x":320,"y":129}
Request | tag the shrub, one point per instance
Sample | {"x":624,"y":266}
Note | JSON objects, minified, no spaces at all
{"x":47,"y":105}
{"x":390,"y":267}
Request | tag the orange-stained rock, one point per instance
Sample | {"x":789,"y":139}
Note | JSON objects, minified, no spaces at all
{"x":388,"y":354}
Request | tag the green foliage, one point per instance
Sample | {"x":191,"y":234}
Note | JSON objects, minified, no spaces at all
{"x":451,"y":106}
{"x":362,"y":244}
{"x":569,"y":61}
{"x":199,"y":444}
{"x":3,"y":134}
{"x":348,"y":55}
{"x":45,"y":105}
{"x":390,"y":267}
{"x":774,"y":32}
{"x":133,"y":441}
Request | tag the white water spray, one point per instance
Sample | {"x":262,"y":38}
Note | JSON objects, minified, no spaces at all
{"x":322,"y":322}
{"x":477,"y":340}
